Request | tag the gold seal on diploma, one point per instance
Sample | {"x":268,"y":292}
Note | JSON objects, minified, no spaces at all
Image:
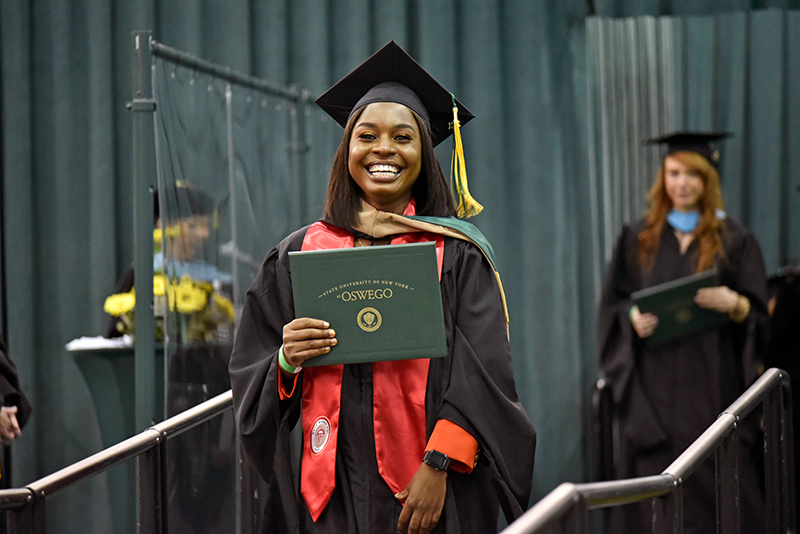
{"x":369,"y":319}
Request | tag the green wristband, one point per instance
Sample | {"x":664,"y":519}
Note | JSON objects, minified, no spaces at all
{"x":285,"y":365}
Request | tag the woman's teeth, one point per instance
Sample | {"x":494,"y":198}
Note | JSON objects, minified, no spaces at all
{"x":385,"y":171}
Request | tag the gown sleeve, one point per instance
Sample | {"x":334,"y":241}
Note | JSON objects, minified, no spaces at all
{"x":10,"y":390}
{"x":618,"y":346}
{"x":479,"y":394}
{"x":743,"y":270}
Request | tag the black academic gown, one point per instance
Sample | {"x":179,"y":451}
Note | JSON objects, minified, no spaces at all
{"x":666,"y":396}
{"x":472,"y":387}
{"x":784,"y":349}
{"x":10,"y":390}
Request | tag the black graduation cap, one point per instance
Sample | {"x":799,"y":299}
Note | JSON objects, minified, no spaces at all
{"x":189,"y":201}
{"x":703,"y":143}
{"x":391,"y":75}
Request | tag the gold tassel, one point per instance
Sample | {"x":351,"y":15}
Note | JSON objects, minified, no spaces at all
{"x":467,"y":205}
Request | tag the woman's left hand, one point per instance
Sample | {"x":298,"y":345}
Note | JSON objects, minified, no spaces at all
{"x":720,"y":298}
{"x":424,"y":500}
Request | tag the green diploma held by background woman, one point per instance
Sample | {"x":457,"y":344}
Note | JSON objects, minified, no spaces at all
{"x":422,"y":445}
{"x":665,"y":395}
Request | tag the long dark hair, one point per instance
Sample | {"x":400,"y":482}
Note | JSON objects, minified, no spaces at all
{"x":430,"y":191}
{"x":708,"y":229}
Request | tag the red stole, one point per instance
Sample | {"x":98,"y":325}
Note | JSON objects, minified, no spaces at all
{"x":398,"y":400}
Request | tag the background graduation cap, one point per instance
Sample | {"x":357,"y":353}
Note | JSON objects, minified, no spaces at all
{"x":391,"y":75}
{"x":190,"y":201}
{"x":703,"y":143}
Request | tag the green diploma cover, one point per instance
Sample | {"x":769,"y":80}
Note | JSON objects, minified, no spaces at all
{"x":673,"y":303}
{"x":384,"y":302}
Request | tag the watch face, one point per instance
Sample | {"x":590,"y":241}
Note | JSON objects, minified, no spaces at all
{"x":437,"y":460}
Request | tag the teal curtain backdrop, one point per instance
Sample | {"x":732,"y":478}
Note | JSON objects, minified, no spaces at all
{"x":522,"y":66}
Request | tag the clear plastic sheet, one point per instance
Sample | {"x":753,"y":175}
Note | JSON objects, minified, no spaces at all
{"x":228,"y":190}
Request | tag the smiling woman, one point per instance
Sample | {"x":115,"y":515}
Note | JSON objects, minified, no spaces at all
{"x":386,"y":155}
{"x":683,"y":184}
{"x":411,"y":445}
{"x":420,"y":127}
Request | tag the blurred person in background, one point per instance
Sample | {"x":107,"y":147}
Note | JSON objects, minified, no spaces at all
{"x":666,"y":395}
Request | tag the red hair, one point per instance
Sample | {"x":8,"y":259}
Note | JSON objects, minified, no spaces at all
{"x":707,"y":231}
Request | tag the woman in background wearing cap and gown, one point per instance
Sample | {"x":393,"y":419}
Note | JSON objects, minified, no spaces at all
{"x":204,"y":458}
{"x":666,"y":395}
{"x":187,"y":227}
{"x":14,"y":406}
{"x":373,"y":423}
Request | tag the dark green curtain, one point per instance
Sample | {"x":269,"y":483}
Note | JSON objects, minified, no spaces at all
{"x":520,"y":66}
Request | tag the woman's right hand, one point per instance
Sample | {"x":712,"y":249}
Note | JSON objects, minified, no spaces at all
{"x":9,"y":426}
{"x":644,"y":323}
{"x":306,"y":338}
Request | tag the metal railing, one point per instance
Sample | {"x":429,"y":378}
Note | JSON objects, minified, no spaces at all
{"x":566,"y":508}
{"x":26,"y":507}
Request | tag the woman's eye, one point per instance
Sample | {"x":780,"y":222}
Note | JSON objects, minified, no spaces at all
{"x":403,"y":137}
{"x":366,"y":136}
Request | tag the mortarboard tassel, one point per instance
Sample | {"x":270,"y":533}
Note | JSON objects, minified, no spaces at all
{"x":467,"y":205}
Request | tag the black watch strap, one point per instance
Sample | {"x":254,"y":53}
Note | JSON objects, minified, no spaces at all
{"x":438,"y":460}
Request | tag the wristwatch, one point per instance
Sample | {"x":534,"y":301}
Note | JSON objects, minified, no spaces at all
{"x":437,"y":460}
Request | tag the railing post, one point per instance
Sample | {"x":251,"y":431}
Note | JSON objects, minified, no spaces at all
{"x":32,"y":519}
{"x":603,"y":430}
{"x":787,"y":455}
{"x":576,"y":520}
{"x":728,"y":484}
{"x":668,"y":512}
{"x":143,"y":107}
{"x":778,"y":458}
{"x":250,"y":512}
{"x":21,"y":521}
{"x":152,"y":489}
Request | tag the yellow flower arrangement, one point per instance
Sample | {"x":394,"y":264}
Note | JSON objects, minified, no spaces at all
{"x":159,"y":285}
{"x":225,"y":305}
{"x":202,"y":313}
{"x":189,"y":297}
{"x":120,"y":303}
